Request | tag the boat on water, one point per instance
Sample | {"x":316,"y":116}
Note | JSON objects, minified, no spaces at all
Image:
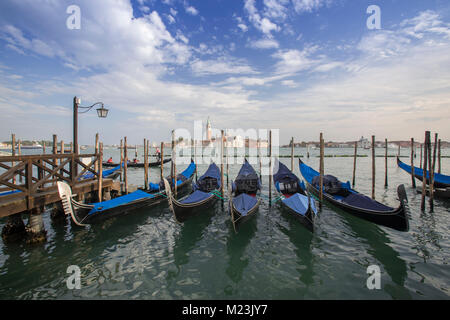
{"x":204,"y":195}
{"x":35,"y":145}
{"x":243,"y":202}
{"x":440,"y":180}
{"x":294,"y":196}
{"x":349,"y":200}
{"x":83,"y":214}
{"x":137,"y":165}
{"x":441,"y":184}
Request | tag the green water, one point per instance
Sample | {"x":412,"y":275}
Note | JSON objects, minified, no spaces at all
{"x":147,"y":255}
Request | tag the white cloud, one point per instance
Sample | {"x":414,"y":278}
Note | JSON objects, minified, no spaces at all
{"x":264,"y":44}
{"x":289,"y":83}
{"x":308,"y":5}
{"x":191,"y":10}
{"x":262,"y":24}
{"x":292,"y":61}
{"x":243,"y":27}
{"x":173,"y":12}
{"x":275,"y":9}
{"x":220,"y":66}
{"x":170,"y":19}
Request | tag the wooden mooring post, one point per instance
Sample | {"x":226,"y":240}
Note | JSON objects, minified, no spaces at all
{"x":270,"y":167}
{"x":221,"y":163}
{"x":125,"y":165}
{"x":424,"y":177}
{"x":259,"y":160}
{"x":385,"y":163}
{"x":321,"y":170}
{"x":354,"y":163}
{"x":439,"y":156}
{"x":13,"y":153}
{"x":121,"y":161}
{"x":100,"y":172}
{"x":421,"y":156}
{"x":413,"y":179}
{"x":292,"y":154}
{"x":145,"y":164}
{"x":19,"y":152}
{"x":373,"y":167}
{"x":162,"y":160}
{"x":432,"y":168}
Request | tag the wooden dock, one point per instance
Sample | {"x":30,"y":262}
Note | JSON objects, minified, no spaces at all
{"x":28,"y":182}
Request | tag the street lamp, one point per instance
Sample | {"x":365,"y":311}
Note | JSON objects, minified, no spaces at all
{"x":102,"y":112}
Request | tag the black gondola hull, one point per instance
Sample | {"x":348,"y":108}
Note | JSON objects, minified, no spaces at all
{"x":307,"y":220}
{"x":136,"y":165}
{"x":183,"y":212}
{"x":396,"y":219}
{"x":238,"y":218}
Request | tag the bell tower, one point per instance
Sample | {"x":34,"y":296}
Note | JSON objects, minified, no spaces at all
{"x":208,"y":130}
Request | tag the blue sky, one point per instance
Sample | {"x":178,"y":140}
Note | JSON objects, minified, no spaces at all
{"x":301,"y":66}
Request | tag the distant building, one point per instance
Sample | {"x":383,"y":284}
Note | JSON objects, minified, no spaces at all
{"x":364,"y":143}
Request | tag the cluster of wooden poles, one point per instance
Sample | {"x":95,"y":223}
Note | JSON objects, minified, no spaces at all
{"x":428,"y":163}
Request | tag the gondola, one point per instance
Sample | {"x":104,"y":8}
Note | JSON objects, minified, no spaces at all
{"x":243,"y":203}
{"x":83,"y":214}
{"x":110,"y":173}
{"x":441,"y":182}
{"x":202,"y":197}
{"x":344,"y":197}
{"x":294,"y":197}
{"x":137,"y":165}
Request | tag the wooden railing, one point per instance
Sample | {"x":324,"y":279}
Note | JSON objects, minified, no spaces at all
{"x":41,"y":172}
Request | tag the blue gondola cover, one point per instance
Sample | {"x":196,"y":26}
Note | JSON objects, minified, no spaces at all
{"x":187,"y":173}
{"x":105,"y":173}
{"x":244,"y":203}
{"x":438,"y":178}
{"x":196,"y":196}
{"x":105,"y":205}
{"x":212,"y":172}
{"x":299,"y":203}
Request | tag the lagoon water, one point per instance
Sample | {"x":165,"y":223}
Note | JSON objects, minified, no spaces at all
{"x":147,"y":255}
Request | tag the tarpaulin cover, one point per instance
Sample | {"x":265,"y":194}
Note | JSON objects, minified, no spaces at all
{"x":105,"y":205}
{"x":284,"y":174}
{"x":247,"y":179}
{"x":299,"y":203}
{"x":186,"y":174}
{"x":9,"y":192}
{"x":244,"y":203}
{"x":354,"y":198}
{"x":213,"y":172}
{"x":196,"y":196}
{"x":438,"y":178}
{"x":105,"y":173}
{"x":308,"y":173}
{"x":362,"y":201}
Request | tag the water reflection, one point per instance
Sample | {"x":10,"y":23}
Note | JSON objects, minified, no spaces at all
{"x":378,"y":247}
{"x":301,"y":238}
{"x":236,"y":245}
{"x":191,"y":231}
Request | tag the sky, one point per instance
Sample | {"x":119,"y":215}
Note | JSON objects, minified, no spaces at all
{"x":300,"y":66}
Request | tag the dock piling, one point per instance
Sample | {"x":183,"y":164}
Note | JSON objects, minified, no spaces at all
{"x":270,"y":167}
{"x":424,"y":177}
{"x":145,"y":164}
{"x":413,"y":179}
{"x":373,"y":167}
{"x":433,"y":166}
{"x":321,"y":170}
{"x":386,"y":163}
{"x":125,"y":165}
{"x":354,"y":163}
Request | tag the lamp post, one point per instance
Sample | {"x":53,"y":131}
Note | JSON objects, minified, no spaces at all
{"x":102,"y":112}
